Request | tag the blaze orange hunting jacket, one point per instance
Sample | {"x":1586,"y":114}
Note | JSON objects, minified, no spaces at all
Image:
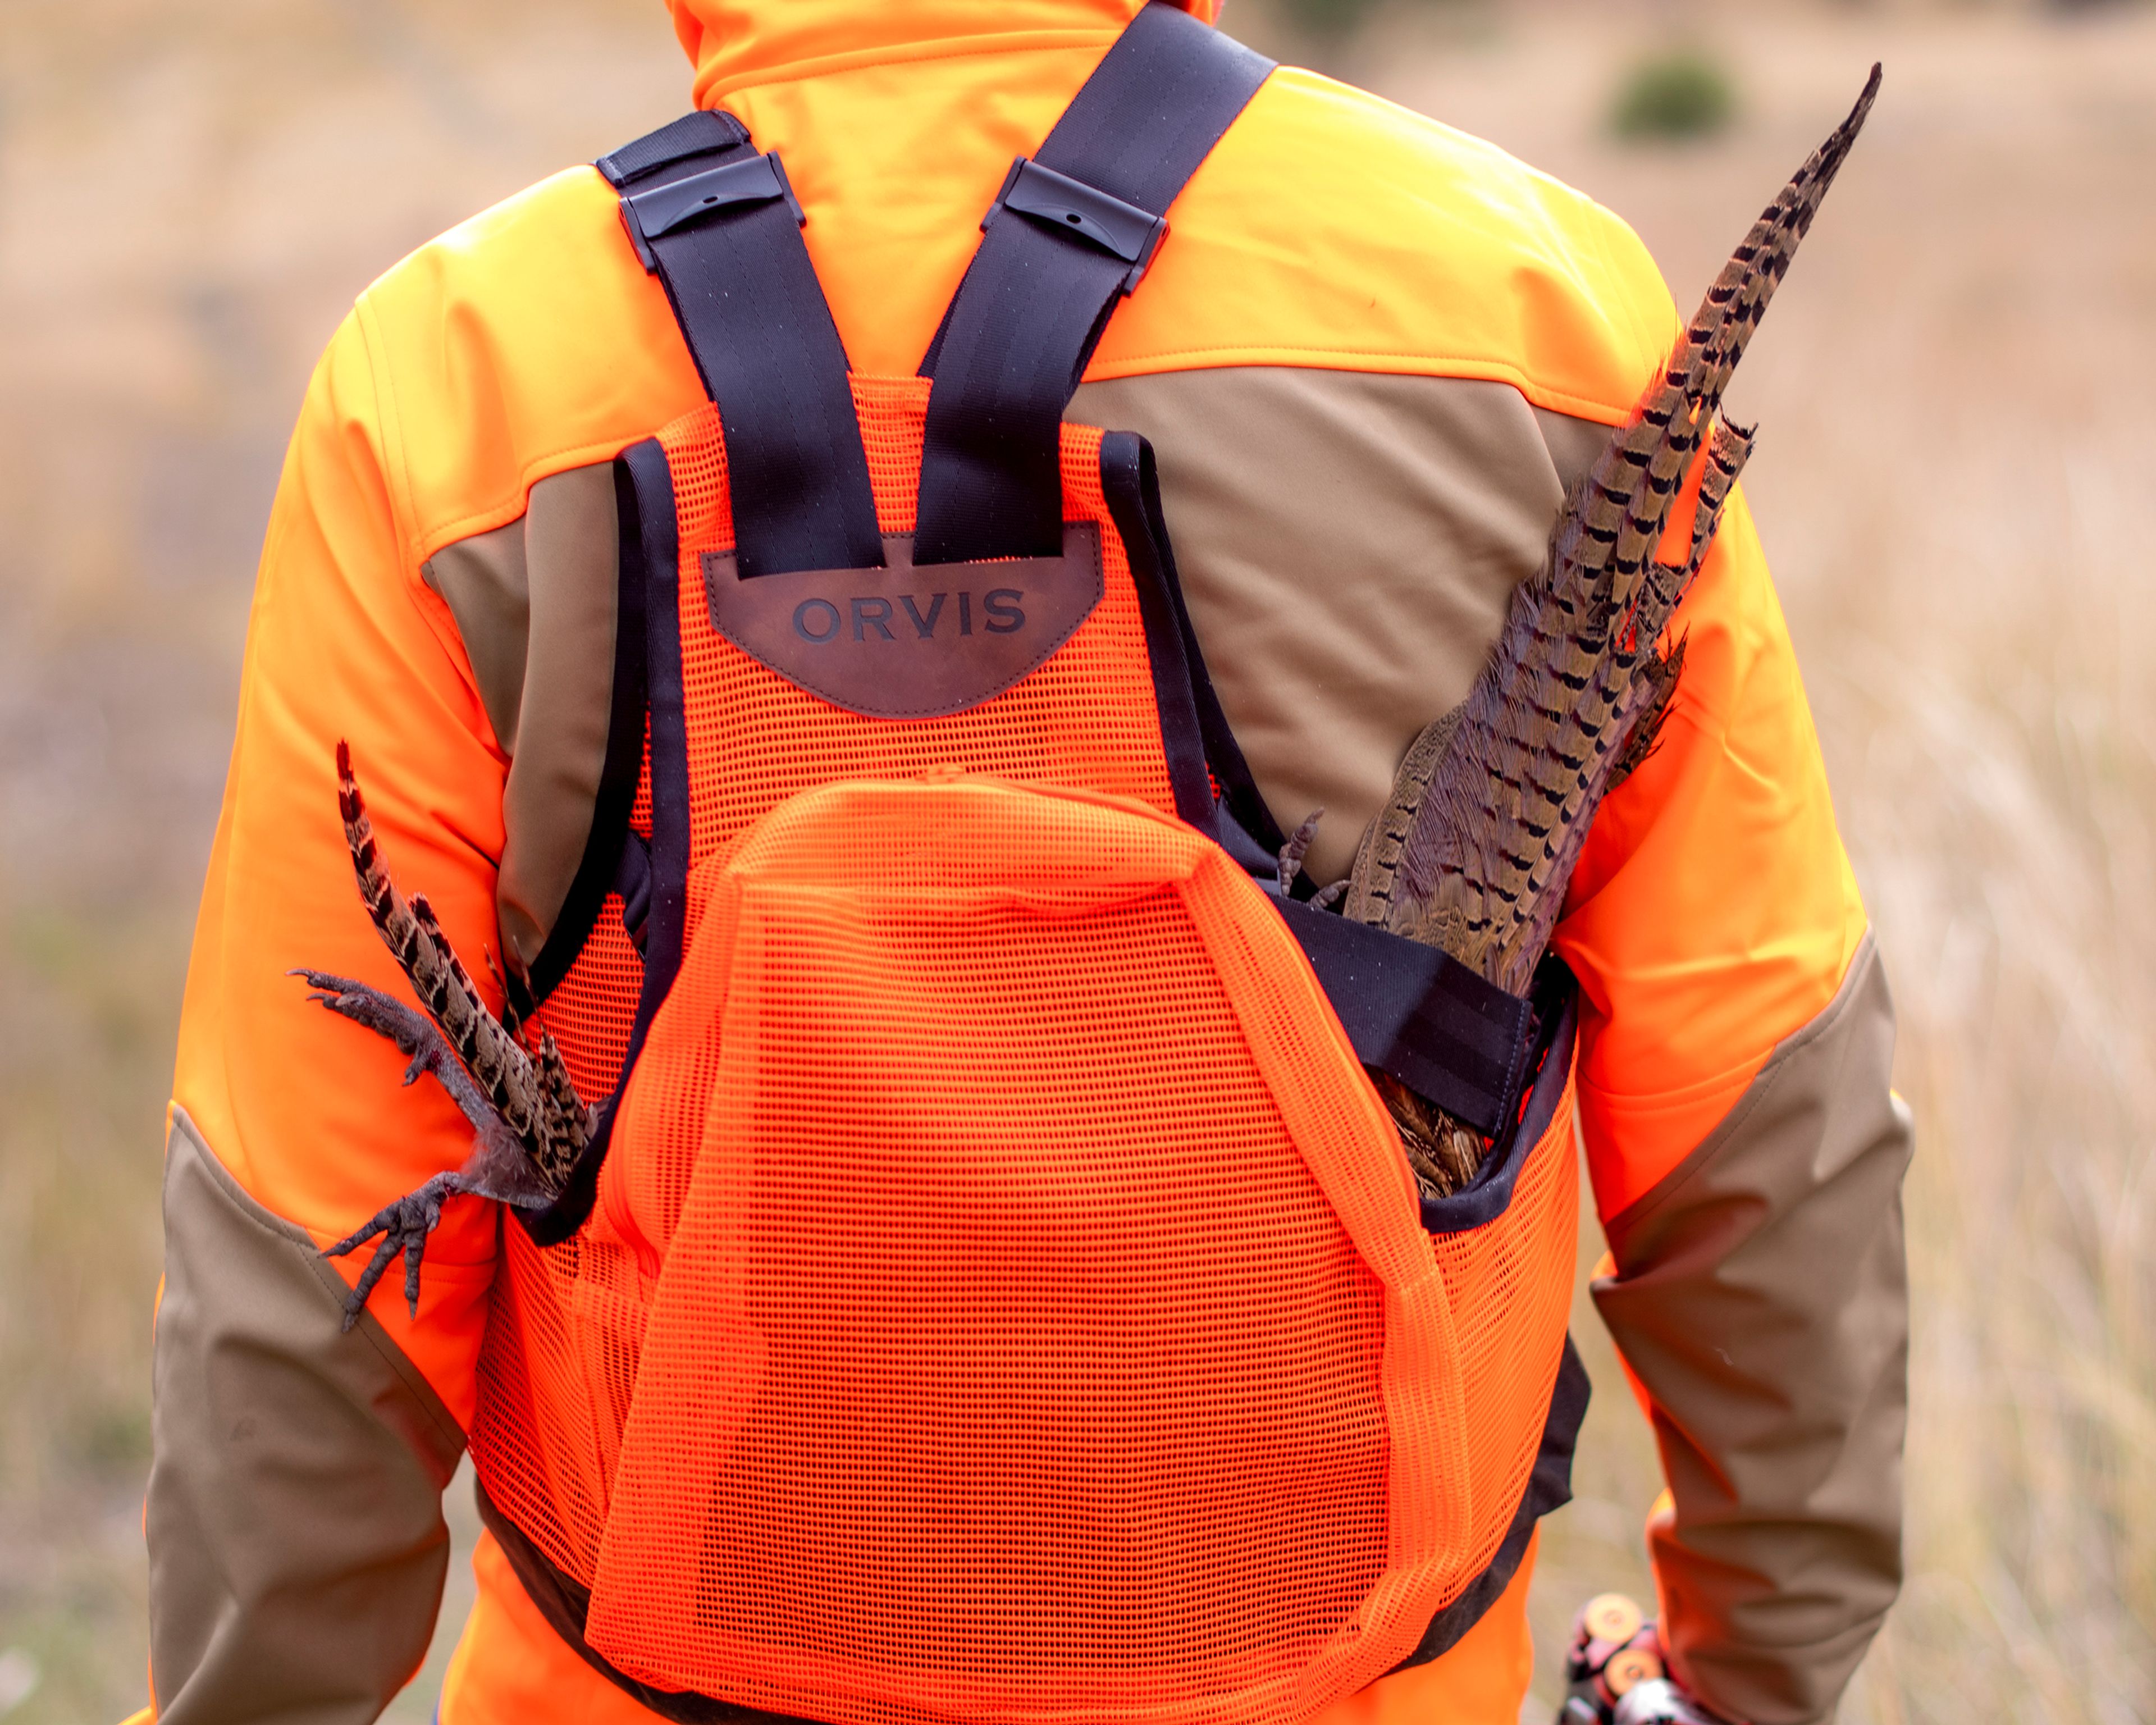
{"x":1371,"y":356}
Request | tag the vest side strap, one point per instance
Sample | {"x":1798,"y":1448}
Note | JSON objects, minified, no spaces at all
{"x":1420,"y":1015}
{"x":643,"y":475}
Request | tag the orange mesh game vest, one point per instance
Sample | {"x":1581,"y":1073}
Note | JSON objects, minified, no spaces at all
{"x":996,"y":1292}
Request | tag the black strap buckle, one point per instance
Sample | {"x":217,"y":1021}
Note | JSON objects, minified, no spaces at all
{"x":1084,"y":213}
{"x":682,"y":203}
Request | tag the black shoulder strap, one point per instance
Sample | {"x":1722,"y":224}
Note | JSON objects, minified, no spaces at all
{"x":718,"y":226}
{"x":1072,"y":231}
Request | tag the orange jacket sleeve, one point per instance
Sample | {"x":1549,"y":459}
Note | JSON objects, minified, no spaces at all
{"x":297,"y":1549}
{"x":1713,"y":912}
{"x":345,"y":642}
{"x":1747,"y":1155}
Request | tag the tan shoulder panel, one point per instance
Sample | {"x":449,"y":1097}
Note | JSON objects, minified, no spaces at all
{"x":1348,"y":543}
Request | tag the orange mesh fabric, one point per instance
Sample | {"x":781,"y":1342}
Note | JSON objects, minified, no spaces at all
{"x":585,"y":1013}
{"x":1086,"y":717}
{"x":1006,"y":1297}
{"x":1012,"y":1352}
{"x":1510,"y":1282}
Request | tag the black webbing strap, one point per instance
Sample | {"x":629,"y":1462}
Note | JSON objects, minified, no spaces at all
{"x":645,"y":486}
{"x":1072,"y":231}
{"x":718,"y":224}
{"x":1421,"y":1015}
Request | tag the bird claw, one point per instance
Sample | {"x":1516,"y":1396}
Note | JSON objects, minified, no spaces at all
{"x":1291,"y":854}
{"x":403,"y":1226}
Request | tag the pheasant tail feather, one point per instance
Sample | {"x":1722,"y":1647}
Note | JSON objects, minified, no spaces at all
{"x":537,"y":1105}
{"x":1556,"y":716}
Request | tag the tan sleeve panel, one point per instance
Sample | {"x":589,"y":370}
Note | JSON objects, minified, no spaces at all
{"x":297,"y":1547}
{"x":1348,"y":543}
{"x":1762,"y":1300}
{"x":1575,"y":445}
{"x":482,"y":580}
{"x":573,"y":556}
{"x":536,"y":603}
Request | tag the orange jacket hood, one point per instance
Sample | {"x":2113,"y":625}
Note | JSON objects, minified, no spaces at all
{"x":732,"y":43}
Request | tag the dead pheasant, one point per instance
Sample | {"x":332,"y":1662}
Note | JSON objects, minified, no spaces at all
{"x":528,"y":1123}
{"x":1492,"y":803}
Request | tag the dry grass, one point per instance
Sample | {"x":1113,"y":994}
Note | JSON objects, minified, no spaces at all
{"x":1956,"y":436}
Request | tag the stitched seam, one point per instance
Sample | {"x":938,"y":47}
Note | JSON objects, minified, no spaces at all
{"x":267,"y":1221}
{"x":1395,"y":363}
{"x":1627,"y":1222}
{"x":501,"y":514}
{"x":1408,"y":365}
{"x":1739,"y":1072}
{"x":433,"y":609}
{"x":502,"y":511}
{"x":393,"y":1356}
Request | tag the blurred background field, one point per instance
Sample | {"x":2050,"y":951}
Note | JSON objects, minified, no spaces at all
{"x":1954,"y":481}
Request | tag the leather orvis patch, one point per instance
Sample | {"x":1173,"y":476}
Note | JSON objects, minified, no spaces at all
{"x":907,"y":643}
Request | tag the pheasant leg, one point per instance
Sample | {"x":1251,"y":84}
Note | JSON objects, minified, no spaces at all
{"x":497,"y":1168}
{"x":403,"y":1226}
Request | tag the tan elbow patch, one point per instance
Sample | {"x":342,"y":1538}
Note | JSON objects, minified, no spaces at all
{"x":297,"y":1547}
{"x":1762,"y":1300}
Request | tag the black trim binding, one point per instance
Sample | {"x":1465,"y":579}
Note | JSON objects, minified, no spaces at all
{"x":1240,"y":799}
{"x":1067,"y":236}
{"x":1127,"y":481}
{"x":1133,"y":488}
{"x":643,"y":470}
{"x":598,"y":872}
{"x":719,"y":225}
{"x":1549,"y":1486}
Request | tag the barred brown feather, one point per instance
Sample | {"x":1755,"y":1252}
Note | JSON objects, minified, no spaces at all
{"x":537,"y":1103}
{"x":1490,"y":808}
